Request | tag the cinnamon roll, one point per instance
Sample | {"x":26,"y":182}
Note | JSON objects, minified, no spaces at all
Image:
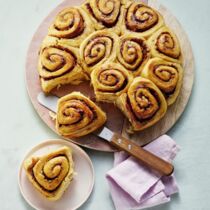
{"x":143,"y":104}
{"x":105,"y":13}
{"x":109,"y":81}
{"x":98,"y":48}
{"x":72,"y":25}
{"x":165,"y":44}
{"x":52,"y":173}
{"x":167,"y":76}
{"x":78,"y":116}
{"x":133,"y":53}
{"x":140,"y":19}
{"x":58,"y":65}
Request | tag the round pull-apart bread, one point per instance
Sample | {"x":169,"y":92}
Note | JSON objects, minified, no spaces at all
{"x":126,"y":51}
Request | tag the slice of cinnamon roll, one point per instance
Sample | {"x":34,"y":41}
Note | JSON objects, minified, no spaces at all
{"x":167,"y":76}
{"x":143,"y":104}
{"x":58,"y":65}
{"x":51,"y":173}
{"x":71,"y":26}
{"x":109,"y":81}
{"x":78,"y":116}
{"x":141,"y":19}
{"x":165,"y":44}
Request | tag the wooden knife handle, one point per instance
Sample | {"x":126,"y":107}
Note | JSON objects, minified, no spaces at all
{"x":163,"y":167}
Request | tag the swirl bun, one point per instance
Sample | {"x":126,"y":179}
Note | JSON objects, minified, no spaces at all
{"x":58,"y":65}
{"x":109,"y":81}
{"x":167,"y":76}
{"x":72,"y":25}
{"x":133,"y":53}
{"x":78,"y":116}
{"x":52,"y":173}
{"x":98,"y":48}
{"x":164,"y":44}
{"x":141,"y":19}
{"x":143,"y":104}
{"x":105,"y":13}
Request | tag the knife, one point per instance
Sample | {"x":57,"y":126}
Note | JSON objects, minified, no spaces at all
{"x":163,"y":167}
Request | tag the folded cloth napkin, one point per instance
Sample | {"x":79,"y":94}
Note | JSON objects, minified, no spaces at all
{"x":135,"y":186}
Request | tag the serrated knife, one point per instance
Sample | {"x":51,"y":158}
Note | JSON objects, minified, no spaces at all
{"x":163,"y":167}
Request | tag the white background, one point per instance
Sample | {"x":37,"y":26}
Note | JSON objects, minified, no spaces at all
{"x":21,"y":128}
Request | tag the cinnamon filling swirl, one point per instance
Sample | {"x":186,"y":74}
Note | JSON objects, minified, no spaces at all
{"x":106,"y":12}
{"x":76,"y":112}
{"x":68,"y":24}
{"x":97,"y":49}
{"x":145,"y":104}
{"x":140,"y":18}
{"x":56,"y":61}
{"x":52,"y":174}
{"x":166,"y":44}
{"x":133,"y":52}
{"x":166,"y":78}
{"x":112,"y":80}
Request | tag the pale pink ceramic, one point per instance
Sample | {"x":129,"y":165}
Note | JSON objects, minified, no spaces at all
{"x":78,"y":190}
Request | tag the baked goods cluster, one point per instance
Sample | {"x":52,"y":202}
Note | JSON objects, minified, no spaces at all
{"x":127,"y":52}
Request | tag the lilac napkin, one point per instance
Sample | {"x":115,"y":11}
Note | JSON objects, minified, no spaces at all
{"x":135,"y":186}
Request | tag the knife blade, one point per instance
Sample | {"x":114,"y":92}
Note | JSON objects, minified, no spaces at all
{"x":163,"y":167}
{"x":48,"y":101}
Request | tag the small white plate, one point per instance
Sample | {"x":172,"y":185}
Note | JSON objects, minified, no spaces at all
{"x":78,"y":190}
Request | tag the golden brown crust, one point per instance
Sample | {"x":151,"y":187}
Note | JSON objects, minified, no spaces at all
{"x":141,"y":19}
{"x":167,"y":76}
{"x":78,"y":116}
{"x":118,"y":40}
{"x":133,"y":53}
{"x":59,"y":64}
{"x":165,"y":44}
{"x":51,"y":173}
{"x":71,"y":25}
{"x":109,"y":81}
{"x":143,"y":104}
{"x":98,"y":48}
{"x":105,"y":14}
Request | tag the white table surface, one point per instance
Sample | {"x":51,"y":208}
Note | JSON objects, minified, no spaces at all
{"x":21,"y":128}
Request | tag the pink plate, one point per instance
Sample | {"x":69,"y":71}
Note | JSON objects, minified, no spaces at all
{"x":79,"y":189}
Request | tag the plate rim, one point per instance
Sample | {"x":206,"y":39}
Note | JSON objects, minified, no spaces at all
{"x":43,"y":144}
